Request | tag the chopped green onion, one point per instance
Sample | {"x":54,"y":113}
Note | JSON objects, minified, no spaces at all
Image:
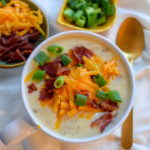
{"x":114,"y":96}
{"x":80,"y":100}
{"x":100,"y":80}
{"x":3,"y":2}
{"x":101,"y":20}
{"x":91,"y":16}
{"x":98,"y":10}
{"x":59,"y":82}
{"x":110,"y":9}
{"x":80,"y":65}
{"x":80,"y":5}
{"x":95,"y":5}
{"x":38,"y":75}
{"x":102,"y":95}
{"x":41,"y":58}
{"x":65,"y":60}
{"x":78,"y":15}
{"x":72,"y":3}
{"x":68,"y":14}
{"x":55,"y":49}
{"x":80,"y":22}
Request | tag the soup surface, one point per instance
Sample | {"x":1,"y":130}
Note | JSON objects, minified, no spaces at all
{"x":80,"y":127}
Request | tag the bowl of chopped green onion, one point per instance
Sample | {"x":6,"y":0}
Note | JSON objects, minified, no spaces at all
{"x":91,"y":15}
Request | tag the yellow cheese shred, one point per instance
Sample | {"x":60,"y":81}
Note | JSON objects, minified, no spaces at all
{"x":17,"y":17}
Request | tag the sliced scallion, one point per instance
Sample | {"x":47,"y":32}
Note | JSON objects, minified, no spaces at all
{"x":102,"y":95}
{"x":80,"y":100}
{"x":55,"y":49}
{"x":38,"y":75}
{"x":59,"y":82}
{"x":3,"y":2}
{"x":65,"y":60}
{"x":114,"y":96}
{"x":41,"y":58}
{"x":99,"y":80}
{"x":79,"y":65}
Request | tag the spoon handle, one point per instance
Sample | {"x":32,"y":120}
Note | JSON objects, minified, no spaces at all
{"x":127,"y":127}
{"x":127,"y":132}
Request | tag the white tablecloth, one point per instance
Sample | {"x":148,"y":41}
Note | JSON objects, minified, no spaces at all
{"x":11,"y":105}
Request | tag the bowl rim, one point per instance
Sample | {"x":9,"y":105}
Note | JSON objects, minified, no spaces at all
{"x":53,"y":133}
{"x":14,"y":65}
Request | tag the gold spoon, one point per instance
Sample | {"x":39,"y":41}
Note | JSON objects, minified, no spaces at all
{"x":130,"y":40}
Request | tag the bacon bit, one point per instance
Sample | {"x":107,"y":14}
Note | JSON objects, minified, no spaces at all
{"x":15,"y":48}
{"x":108,"y":106}
{"x":31,"y":88}
{"x":2,"y":50}
{"x":81,"y":51}
{"x":52,"y":68}
{"x":49,"y":83}
{"x":18,"y":56}
{"x":103,"y":121}
{"x":45,"y":94}
{"x":63,"y":71}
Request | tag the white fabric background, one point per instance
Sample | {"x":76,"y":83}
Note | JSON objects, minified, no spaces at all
{"x":11,"y":105}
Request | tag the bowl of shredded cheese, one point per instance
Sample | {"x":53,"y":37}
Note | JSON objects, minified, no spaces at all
{"x":23,"y":26}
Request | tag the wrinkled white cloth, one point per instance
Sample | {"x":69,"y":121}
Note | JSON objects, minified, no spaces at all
{"x":11,"y":105}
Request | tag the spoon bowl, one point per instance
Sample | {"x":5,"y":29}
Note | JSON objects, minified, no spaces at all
{"x":130,"y":38}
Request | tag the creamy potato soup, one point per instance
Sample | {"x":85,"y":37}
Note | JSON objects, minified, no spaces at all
{"x":74,"y":120}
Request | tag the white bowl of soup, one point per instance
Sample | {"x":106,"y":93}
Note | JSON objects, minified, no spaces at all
{"x":77,"y":86}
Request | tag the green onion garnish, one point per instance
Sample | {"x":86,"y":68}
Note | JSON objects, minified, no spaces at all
{"x":55,"y":49}
{"x":65,"y":60}
{"x":79,"y":65}
{"x":110,"y":9}
{"x":78,"y":14}
{"x":114,"y":96}
{"x":59,"y":82}
{"x":3,"y":2}
{"x":80,"y":100}
{"x":81,"y":21}
{"x":41,"y":58}
{"x":99,"y":80}
{"x":68,"y":14}
{"x":101,"y":20}
{"x":102,"y":95}
{"x":38,"y":75}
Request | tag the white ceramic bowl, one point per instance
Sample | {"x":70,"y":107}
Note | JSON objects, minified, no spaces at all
{"x":113,"y":125}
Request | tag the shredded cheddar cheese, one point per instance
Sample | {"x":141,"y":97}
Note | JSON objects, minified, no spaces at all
{"x":17,"y":17}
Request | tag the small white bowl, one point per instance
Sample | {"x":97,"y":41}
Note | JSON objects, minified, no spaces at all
{"x":114,"y":48}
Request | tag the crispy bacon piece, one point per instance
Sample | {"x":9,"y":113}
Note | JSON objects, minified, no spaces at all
{"x":108,"y":106}
{"x":13,"y":39}
{"x":31,"y":88}
{"x":103,"y":121}
{"x":63,"y":71}
{"x":79,"y":52}
{"x":16,"y":48}
{"x":49,"y":83}
{"x":45,"y":94}
{"x":52,"y":68}
{"x":31,"y":36}
{"x":26,"y":53}
{"x":3,"y":50}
